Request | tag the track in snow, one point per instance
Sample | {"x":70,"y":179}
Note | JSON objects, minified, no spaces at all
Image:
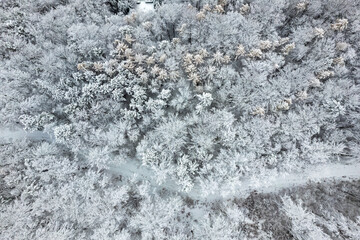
{"x":9,"y":135}
{"x":270,"y":183}
{"x":143,"y":7}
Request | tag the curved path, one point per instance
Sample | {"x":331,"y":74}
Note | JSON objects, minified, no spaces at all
{"x":270,"y":181}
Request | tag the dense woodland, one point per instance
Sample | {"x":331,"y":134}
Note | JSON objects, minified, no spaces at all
{"x":130,"y":122}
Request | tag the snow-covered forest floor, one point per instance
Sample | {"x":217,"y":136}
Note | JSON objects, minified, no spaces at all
{"x":144,"y":7}
{"x":172,"y":119}
{"x":271,"y":182}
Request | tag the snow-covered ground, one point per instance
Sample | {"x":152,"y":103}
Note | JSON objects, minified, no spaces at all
{"x":144,"y":7}
{"x":8,"y":135}
{"x":275,"y":182}
{"x":269,"y":182}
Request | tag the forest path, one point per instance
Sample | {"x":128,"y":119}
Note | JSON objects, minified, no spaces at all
{"x":144,"y":7}
{"x":270,"y":181}
{"x":8,"y":135}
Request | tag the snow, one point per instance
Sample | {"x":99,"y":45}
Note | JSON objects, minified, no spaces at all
{"x":269,"y":182}
{"x":318,"y":173}
{"x":9,"y":135}
{"x":133,"y":169}
{"x":143,"y":7}
{"x":272,"y":182}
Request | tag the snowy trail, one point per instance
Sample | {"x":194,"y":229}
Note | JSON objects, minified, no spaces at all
{"x":270,"y":183}
{"x":143,"y":7}
{"x":9,"y":135}
{"x":274,"y":183}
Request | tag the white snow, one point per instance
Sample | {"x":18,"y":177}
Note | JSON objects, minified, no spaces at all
{"x":269,"y":182}
{"x":143,"y":7}
{"x":9,"y":135}
{"x":315,"y":173}
{"x":272,"y":182}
